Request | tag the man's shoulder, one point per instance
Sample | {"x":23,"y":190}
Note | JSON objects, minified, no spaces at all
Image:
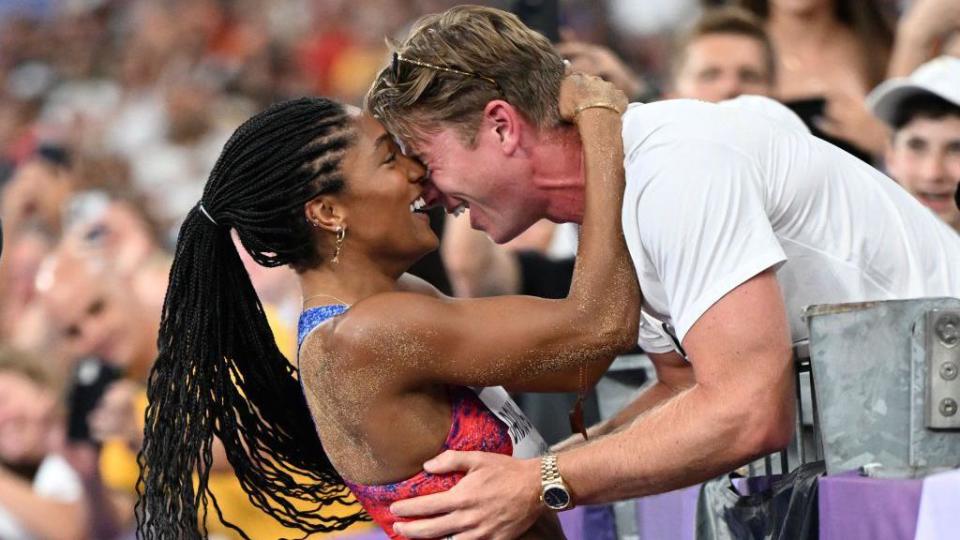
{"x":669,"y":121}
{"x":679,"y":119}
{"x":667,"y":111}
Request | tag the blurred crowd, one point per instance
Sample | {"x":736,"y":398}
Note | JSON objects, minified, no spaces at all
{"x":113,"y":112}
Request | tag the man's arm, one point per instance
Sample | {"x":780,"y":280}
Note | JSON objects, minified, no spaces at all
{"x":740,"y":407}
{"x":674,"y":375}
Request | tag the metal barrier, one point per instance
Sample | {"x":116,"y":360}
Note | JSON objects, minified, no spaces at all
{"x":883,"y":389}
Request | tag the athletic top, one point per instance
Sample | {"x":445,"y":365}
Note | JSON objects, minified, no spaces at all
{"x":482,"y":419}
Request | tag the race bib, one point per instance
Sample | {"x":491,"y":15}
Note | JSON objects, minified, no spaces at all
{"x":527,"y":442}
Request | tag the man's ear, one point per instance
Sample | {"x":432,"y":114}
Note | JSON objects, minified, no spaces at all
{"x":503,"y":122}
{"x":325,"y":212}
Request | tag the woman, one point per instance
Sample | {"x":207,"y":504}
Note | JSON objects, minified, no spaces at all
{"x":384,"y":360}
{"x":857,"y":39}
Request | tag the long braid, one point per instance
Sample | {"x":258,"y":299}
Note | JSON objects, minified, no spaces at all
{"x":219,"y":371}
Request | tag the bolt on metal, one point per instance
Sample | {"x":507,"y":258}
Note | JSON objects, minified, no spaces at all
{"x":948,"y":407}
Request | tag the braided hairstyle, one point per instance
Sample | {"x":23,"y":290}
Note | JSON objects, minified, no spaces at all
{"x":219,"y":371}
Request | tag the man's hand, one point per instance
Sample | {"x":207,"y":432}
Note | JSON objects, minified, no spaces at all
{"x":498,"y":499}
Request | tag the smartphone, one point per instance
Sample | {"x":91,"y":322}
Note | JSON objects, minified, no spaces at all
{"x":811,"y":111}
{"x":808,"y":109}
{"x":540,"y":15}
{"x":89,"y":381}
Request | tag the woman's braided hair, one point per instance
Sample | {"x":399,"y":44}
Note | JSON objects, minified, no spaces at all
{"x":219,"y":371}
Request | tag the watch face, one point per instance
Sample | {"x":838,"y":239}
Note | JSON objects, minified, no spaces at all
{"x":556,"y":497}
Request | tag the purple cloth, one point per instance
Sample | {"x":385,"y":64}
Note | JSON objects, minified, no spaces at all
{"x":599,"y":522}
{"x":572,"y":522}
{"x":668,"y":516}
{"x":853,"y":507}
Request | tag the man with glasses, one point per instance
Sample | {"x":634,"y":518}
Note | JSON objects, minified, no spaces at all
{"x":735,"y":216}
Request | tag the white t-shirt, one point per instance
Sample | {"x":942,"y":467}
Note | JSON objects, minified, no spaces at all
{"x":55,"y":479}
{"x":717,"y":193}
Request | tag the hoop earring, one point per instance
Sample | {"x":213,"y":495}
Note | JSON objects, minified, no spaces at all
{"x":341,"y":234}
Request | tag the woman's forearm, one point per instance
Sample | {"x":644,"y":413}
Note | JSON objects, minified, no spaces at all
{"x":604,"y":283}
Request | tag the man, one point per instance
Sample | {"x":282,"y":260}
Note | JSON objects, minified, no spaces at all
{"x":94,"y":312}
{"x":727,"y":53}
{"x":735,"y":217}
{"x":924,"y":154}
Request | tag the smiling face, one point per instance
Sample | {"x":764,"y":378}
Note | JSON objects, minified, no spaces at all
{"x":381,"y":206}
{"x":26,"y":419}
{"x":493,"y":177}
{"x":95,"y":313}
{"x":924,"y":158}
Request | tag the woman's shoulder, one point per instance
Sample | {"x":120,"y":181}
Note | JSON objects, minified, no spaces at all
{"x":370,"y":325}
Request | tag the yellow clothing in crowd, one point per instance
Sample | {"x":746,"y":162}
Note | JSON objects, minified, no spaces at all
{"x":119,"y":472}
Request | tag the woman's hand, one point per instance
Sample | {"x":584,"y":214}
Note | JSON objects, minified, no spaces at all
{"x":579,"y":91}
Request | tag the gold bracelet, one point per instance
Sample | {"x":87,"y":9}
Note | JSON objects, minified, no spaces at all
{"x":597,"y":105}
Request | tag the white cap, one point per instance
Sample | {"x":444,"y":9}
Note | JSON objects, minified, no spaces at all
{"x":940,"y":76}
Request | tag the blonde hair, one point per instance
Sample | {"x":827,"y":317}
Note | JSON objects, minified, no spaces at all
{"x":453,"y":63}
{"x":32,"y":368}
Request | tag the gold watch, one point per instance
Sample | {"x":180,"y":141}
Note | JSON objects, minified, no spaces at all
{"x":554,"y":493}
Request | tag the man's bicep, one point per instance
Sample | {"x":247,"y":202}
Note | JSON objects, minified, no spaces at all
{"x":741,"y":354}
{"x":743,"y":337}
{"x":705,"y":228}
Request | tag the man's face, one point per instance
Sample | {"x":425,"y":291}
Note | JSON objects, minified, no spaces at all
{"x":26,"y":418}
{"x":924,"y":158}
{"x":496,"y":187}
{"x":723,"y":66}
{"x":95,"y":318}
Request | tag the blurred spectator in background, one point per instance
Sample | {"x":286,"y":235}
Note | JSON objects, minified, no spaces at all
{"x":94,"y":312}
{"x":923,"y":155}
{"x":830,"y":53}
{"x":727,"y":53}
{"x":604,"y":63}
{"x":40,"y":493}
{"x":927,"y":29}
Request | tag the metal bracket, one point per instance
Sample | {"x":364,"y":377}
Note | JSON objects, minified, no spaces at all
{"x":942,"y":393}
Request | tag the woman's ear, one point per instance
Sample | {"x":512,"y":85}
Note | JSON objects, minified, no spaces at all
{"x":325,"y":212}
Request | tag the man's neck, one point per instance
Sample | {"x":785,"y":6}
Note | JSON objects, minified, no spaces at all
{"x":558,"y":173}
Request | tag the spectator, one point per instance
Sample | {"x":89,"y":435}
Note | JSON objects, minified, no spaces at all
{"x":600,"y":61}
{"x":923,"y":155}
{"x":927,"y":28}
{"x":857,"y":39}
{"x":36,"y":482}
{"x":725,"y":54}
{"x":93,"y":313}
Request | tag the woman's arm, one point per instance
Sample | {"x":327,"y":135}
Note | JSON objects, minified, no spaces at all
{"x":492,"y":341}
{"x":570,"y":380}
